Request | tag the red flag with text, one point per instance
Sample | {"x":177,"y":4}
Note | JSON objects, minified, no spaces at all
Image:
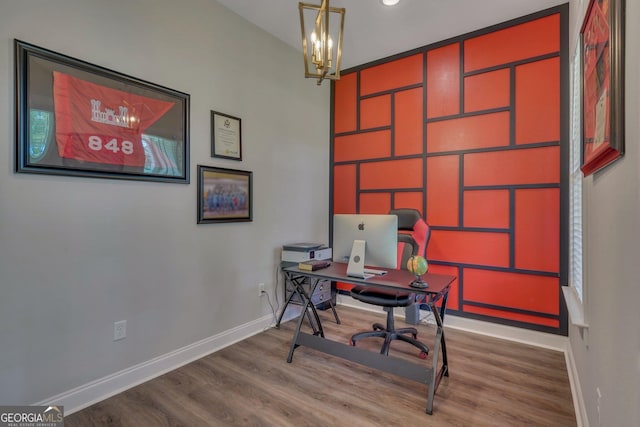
{"x":102,"y":125}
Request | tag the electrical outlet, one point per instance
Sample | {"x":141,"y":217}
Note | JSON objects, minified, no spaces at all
{"x":261,"y":290}
{"x":119,"y":330}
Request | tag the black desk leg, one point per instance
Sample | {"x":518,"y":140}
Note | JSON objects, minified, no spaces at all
{"x":333,"y":308}
{"x":297,"y":284}
{"x":437,"y":374}
{"x":306,"y":305}
{"x":443,"y":308}
{"x":335,"y":314}
{"x":286,"y":304}
{"x":294,"y":292}
{"x":317,"y":325}
{"x":294,"y":341}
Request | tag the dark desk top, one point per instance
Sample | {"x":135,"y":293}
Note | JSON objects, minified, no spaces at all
{"x":394,"y":279}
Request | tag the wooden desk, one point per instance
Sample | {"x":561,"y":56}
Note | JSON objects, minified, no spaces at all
{"x":437,"y":291}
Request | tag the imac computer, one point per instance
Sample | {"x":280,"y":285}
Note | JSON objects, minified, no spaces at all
{"x":365,"y":239}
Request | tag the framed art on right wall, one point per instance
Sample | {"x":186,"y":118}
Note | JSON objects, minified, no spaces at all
{"x":602,"y":43}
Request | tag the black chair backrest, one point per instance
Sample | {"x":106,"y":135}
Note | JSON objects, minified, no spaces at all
{"x":409,"y":249}
{"x":407,"y":218}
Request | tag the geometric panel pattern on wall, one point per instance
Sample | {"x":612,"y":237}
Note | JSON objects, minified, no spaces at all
{"x":470,"y":132}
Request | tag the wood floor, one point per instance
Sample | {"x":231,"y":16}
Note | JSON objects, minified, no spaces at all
{"x":491,"y":383}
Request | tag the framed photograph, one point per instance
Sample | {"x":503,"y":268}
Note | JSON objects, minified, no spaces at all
{"x":224,"y":195}
{"x":602,"y":45}
{"x":79,"y":119}
{"x":226,"y":136}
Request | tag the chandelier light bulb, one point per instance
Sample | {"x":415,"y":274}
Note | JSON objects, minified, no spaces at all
{"x":322,"y":45}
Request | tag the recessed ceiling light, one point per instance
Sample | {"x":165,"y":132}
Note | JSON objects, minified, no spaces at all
{"x":390,"y":2}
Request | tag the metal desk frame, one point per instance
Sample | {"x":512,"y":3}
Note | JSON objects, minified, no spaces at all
{"x":437,"y":291}
{"x":298,"y":283}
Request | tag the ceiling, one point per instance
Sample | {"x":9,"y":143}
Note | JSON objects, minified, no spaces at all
{"x":373,"y":31}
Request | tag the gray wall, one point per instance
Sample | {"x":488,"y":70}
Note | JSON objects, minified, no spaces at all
{"x":608,"y":356}
{"x":77,"y":254}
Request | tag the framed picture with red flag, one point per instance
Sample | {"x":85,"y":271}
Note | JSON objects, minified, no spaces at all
{"x":602,"y":42}
{"x":79,"y":119}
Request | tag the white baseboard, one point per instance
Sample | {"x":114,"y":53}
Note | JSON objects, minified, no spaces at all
{"x":347,"y":301}
{"x":511,"y":333}
{"x":576,"y":391}
{"x":525,"y":336}
{"x":103,"y":388}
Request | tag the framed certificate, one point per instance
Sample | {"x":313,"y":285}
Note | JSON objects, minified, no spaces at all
{"x":602,"y":41}
{"x":226,"y":136}
{"x":80,"y":119}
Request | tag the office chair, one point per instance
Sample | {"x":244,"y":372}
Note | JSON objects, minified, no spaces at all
{"x":413,"y":237}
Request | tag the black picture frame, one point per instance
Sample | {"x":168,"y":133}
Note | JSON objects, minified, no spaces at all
{"x":226,"y":136}
{"x":224,"y":195}
{"x":602,"y":76}
{"x":79,"y":119}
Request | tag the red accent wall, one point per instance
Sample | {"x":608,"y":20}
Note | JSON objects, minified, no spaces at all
{"x":469,"y":133}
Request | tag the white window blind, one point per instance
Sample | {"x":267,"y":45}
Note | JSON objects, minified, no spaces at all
{"x":575,"y":182}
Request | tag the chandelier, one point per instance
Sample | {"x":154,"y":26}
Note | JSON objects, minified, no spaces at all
{"x":321,"y":40}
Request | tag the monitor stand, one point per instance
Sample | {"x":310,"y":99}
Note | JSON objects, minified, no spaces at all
{"x":355,"y":268}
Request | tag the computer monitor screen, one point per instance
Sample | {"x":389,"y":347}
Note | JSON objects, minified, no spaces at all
{"x":380,"y":232}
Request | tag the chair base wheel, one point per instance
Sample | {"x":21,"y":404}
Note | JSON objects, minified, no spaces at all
{"x":422,"y":355}
{"x":378,"y":327}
